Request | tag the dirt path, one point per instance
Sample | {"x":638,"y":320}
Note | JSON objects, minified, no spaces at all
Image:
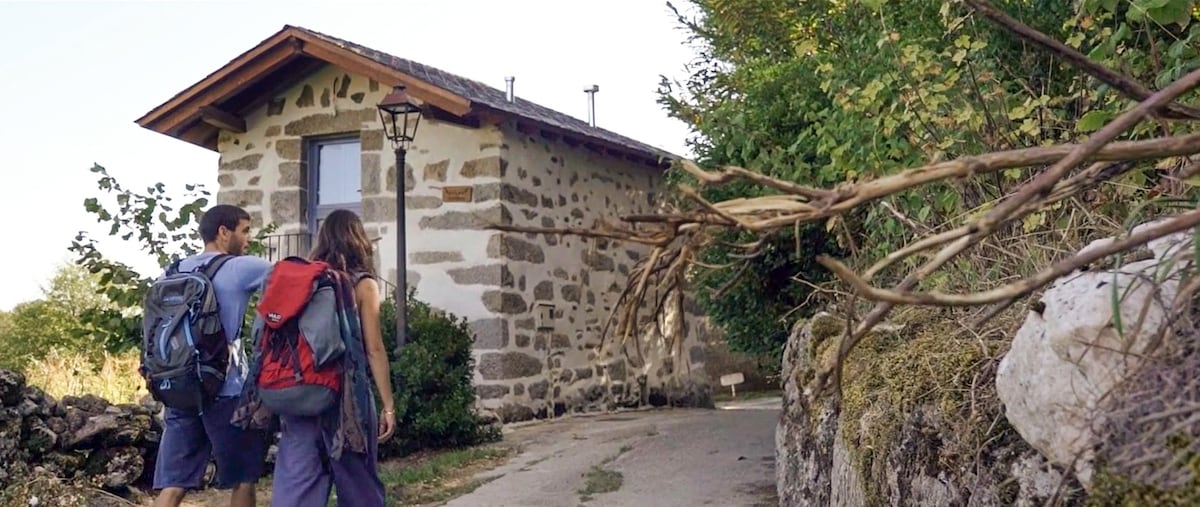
{"x":661,"y":458}
{"x":665,"y":458}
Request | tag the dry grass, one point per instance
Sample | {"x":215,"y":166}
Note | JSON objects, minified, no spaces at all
{"x":115,"y":378}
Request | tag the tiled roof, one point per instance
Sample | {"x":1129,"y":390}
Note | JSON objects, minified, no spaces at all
{"x":494,"y":98}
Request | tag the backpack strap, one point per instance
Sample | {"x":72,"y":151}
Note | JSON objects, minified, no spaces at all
{"x":174,"y":267}
{"x":210,"y":269}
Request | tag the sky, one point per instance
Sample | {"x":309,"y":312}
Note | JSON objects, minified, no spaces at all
{"x":75,"y":75}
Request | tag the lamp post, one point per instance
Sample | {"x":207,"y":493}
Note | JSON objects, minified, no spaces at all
{"x":400,"y":118}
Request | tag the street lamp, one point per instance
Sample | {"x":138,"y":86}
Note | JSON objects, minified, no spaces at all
{"x":400,"y":118}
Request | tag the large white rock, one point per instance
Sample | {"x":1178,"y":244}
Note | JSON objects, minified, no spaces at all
{"x":1064,"y":359}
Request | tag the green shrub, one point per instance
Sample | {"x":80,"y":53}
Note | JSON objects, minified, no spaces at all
{"x":432,"y":380}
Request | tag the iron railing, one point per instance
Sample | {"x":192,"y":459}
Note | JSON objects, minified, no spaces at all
{"x":282,"y":246}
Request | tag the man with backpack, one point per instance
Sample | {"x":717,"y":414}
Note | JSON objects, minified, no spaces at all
{"x":194,"y":362}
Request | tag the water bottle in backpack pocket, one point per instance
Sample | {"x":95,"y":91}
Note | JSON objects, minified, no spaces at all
{"x":185,"y":352}
{"x":298,"y":338}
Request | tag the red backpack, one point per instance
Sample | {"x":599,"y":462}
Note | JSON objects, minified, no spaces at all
{"x":299,"y":339}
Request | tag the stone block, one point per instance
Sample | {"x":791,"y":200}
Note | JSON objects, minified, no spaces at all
{"x":379,"y":209}
{"x":240,"y":198}
{"x":306,"y":97}
{"x":560,"y":341}
{"x":435,"y":257}
{"x":285,"y":206}
{"x":522,"y":340}
{"x":570,"y":293}
{"x":597,"y":261}
{"x":484,"y":192}
{"x":437,"y":170}
{"x":370,"y":172}
{"x":583,"y":374}
{"x":538,"y":390}
{"x":422,"y":202}
{"x":616,"y":370}
{"x":246,"y":163}
{"x":457,"y":220}
{"x":290,"y":174}
{"x":491,"y":392}
{"x":410,"y":181}
{"x":490,"y":333}
{"x":508,"y":365}
{"x":517,"y":195}
{"x":489,"y":274}
{"x":371,"y":140}
{"x":226,"y":180}
{"x":342,"y":121}
{"x":504,"y":302}
{"x":512,"y":248}
{"x":543,"y":291}
{"x":486,"y":167}
{"x":510,"y":413}
{"x":288,"y":149}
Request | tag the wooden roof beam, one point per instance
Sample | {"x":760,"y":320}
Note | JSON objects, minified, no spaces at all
{"x":218,"y":118}
{"x":236,"y":81}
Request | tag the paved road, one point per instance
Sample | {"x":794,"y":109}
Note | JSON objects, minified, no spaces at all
{"x":723,"y":457}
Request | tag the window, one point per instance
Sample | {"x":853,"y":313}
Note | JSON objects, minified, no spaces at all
{"x":335,"y":178}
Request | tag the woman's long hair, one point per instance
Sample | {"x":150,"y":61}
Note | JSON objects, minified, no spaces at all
{"x":343,"y":243}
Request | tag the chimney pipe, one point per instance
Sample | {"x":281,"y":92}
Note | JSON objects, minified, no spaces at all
{"x":508,"y":81}
{"x":591,"y":92}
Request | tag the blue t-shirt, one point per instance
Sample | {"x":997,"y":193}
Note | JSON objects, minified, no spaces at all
{"x":237,"y":280}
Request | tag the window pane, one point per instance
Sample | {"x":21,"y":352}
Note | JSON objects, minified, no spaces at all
{"x":340,"y":173}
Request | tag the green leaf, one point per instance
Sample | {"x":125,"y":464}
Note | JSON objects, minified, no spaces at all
{"x":1093,"y":121}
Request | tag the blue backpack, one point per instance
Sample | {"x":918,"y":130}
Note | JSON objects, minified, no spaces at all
{"x":185,"y":353}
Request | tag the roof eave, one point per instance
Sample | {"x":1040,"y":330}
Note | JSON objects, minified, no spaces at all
{"x":184,"y":114}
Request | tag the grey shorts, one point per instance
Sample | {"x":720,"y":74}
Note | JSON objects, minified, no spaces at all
{"x":190,"y":441}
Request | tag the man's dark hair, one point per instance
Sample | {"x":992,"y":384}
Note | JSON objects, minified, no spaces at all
{"x":220,"y":215}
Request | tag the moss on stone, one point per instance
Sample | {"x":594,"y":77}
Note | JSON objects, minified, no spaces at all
{"x":929,"y":363}
{"x":1110,"y":490}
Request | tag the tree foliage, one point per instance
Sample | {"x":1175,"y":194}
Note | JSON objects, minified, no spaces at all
{"x":163,"y":224}
{"x":821,"y":92}
{"x":34,"y":328}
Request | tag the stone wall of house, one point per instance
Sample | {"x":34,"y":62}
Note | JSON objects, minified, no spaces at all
{"x":554,"y":366}
{"x":495,"y":280}
{"x":265,"y":171}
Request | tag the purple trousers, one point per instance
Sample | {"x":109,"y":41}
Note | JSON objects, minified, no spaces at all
{"x":304,"y":471}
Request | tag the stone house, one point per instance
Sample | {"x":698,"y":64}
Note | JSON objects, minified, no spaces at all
{"x":294,"y":120}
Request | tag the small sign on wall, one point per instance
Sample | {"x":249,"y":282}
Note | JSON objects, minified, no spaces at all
{"x":459,"y":193}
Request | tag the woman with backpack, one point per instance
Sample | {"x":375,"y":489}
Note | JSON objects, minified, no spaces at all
{"x":338,"y":446}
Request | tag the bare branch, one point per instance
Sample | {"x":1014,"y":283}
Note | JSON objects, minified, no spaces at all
{"x":1127,"y":85}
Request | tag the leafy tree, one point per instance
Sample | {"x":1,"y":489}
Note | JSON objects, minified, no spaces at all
{"x":165,"y":230}
{"x":825,"y":91}
{"x":34,"y":328}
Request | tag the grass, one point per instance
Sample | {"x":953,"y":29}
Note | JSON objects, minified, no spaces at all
{"x":601,"y":480}
{"x":437,"y":476}
{"x":115,"y":378}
